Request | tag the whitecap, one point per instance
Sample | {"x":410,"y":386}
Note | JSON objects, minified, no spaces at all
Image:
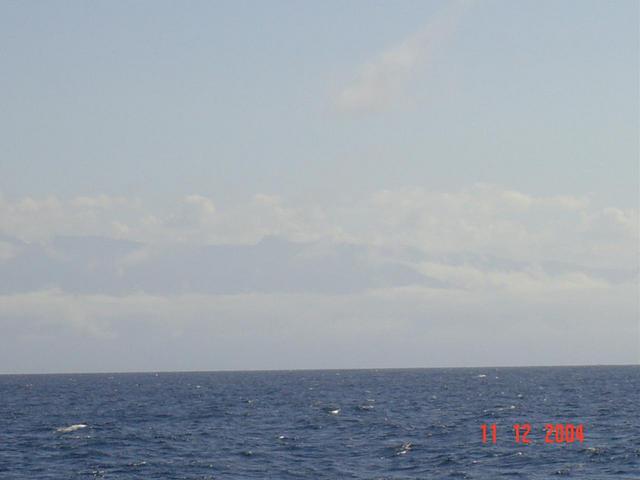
{"x":334,"y":412}
{"x":71,"y":428}
{"x":404,"y":448}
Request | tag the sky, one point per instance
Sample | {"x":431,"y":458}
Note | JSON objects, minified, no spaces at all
{"x":283,"y":185}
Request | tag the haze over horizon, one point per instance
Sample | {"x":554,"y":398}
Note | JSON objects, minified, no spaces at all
{"x":236,"y":185}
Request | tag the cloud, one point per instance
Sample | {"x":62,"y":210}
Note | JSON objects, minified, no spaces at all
{"x":487,"y":219}
{"x":380,"y":83}
{"x":195,"y":211}
{"x":390,"y":327}
{"x":40,"y":219}
{"x":406,"y":277}
{"x":481,"y":219}
{"x":99,"y":201}
{"x":202,"y":203}
{"x":531,"y":279}
{"x":99,"y":265}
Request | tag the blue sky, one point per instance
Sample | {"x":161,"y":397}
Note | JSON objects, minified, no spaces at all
{"x":411,"y":134}
{"x":230,"y":98}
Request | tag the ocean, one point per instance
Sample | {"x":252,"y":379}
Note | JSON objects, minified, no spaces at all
{"x":583,"y":422}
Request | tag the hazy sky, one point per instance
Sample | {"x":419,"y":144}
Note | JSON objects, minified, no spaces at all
{"x":248,"y":185}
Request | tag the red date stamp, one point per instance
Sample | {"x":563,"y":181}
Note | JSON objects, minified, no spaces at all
{"x":554,"y":433}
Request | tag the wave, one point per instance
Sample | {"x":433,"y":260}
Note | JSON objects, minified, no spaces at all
{"x":71,"y":428}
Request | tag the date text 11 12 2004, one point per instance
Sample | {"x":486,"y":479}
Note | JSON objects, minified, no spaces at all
{"x":554,"y":433}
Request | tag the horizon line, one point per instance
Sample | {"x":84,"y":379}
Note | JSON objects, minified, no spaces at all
{"x":276,"y":370}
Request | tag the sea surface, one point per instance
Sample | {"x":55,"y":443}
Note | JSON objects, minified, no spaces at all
{"x":360,"y":424}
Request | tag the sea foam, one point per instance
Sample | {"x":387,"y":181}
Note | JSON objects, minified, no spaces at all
{"x":71,"y":428}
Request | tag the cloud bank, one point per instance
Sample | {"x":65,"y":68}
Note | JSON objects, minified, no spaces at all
{"x":484,"y":275}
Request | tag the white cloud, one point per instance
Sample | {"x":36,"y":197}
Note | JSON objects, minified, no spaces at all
{"x":40,"y":219}
{"x":99,"y":201}
{"x":485,"y":251}
{"x":482,"y":219}
{"x":527,"y":281}
{"x":380,"y":82}
{"x":487,"y":219}
{"x":203,"y":203}
{"x":612,"y":223}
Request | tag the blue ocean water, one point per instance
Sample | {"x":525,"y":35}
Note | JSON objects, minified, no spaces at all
{"x":362,"y":424}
